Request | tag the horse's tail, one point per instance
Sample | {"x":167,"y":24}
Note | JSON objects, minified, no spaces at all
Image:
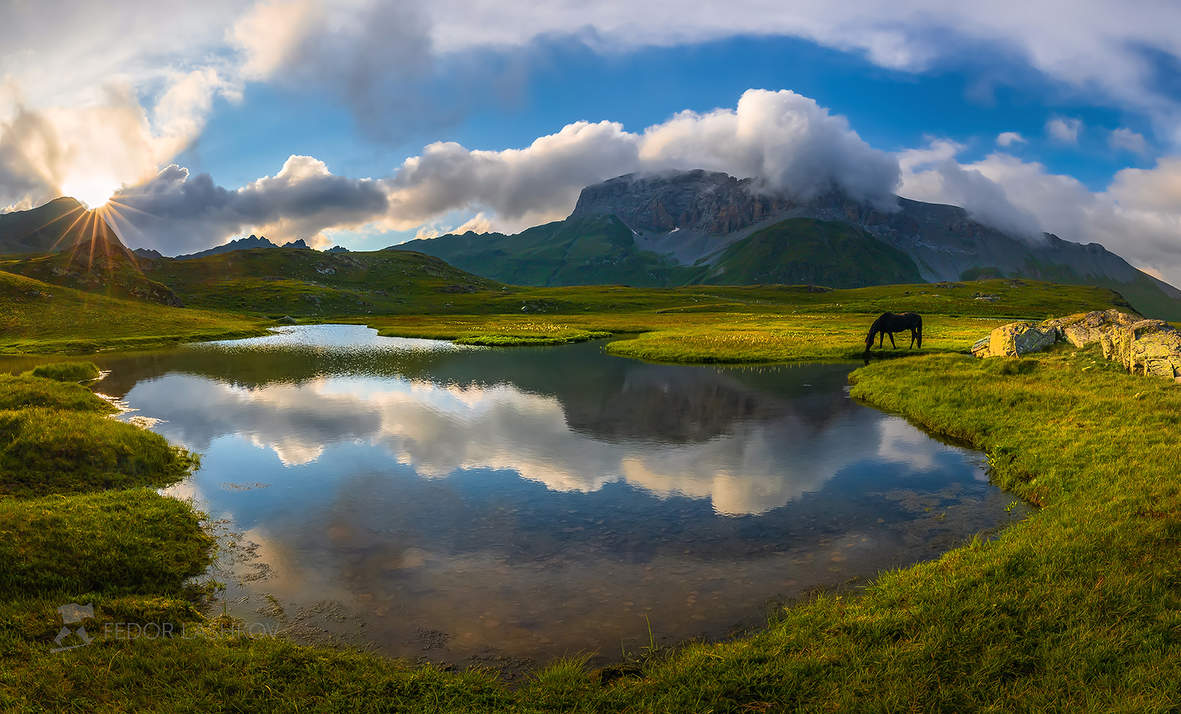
{"x":919,"y":319}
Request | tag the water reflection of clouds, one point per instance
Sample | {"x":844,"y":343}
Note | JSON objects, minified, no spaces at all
{"x":758,"y":465}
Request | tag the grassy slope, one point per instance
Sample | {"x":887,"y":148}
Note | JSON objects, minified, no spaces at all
{"x":38,"y":317}
{"x":805,"y":250}
{"x":576,"y":251}
{"x":289,"y":281}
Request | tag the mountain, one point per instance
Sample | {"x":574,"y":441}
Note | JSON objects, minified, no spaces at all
{"x":62,"y":243}
{"x":691,"y":227}
{"x":242,"y":244}
{"x":52,"y":227}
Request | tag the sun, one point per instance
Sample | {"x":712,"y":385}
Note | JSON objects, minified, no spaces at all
{"x":92,"y":192}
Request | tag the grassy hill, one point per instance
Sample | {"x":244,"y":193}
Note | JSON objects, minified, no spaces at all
{"x":39,"y":317}
{"x":805,"y":250}
{"x":289,"y":281}
{"x":597,"y":250}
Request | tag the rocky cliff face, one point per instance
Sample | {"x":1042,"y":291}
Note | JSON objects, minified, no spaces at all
{"x":710,"y":202}
{"x":692,"y":216}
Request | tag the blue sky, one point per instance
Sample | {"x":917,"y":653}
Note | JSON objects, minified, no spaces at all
{"x":890,"y":109}
{"x":366,"y":122}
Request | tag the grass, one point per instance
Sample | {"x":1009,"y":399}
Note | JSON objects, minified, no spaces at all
{"x":57,"y":451}
{"x":113,"y":541}
{"x":25,"y":391}
{"x":67,"y":371}
{"x":37,"y":317}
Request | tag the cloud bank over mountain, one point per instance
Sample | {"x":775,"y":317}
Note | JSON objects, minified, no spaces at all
{"x":785,"y":139}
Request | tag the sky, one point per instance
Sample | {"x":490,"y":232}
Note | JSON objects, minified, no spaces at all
{"x":367,"y":122}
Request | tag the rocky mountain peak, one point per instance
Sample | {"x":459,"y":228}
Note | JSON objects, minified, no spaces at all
{"x":708,"y":202}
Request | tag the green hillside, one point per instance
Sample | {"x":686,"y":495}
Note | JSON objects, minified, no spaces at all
{"x":39,"y":317}
{"x":598,"y":250}
{"x":808,"y":251}
{"x":289,"y":281}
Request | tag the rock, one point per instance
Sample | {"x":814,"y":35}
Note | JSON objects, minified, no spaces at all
{"x":1088,"y":328}
{"x":286,"y":320}
{"x":1152,"y":347}
{"x":1019,"y":338}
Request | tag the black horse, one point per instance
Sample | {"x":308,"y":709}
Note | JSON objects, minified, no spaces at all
{"x":891,"y":322}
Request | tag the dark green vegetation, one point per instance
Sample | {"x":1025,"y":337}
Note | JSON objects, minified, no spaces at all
{"x":807,"y":251}
{"x":44,"y":229}
{"x":67,"y":371}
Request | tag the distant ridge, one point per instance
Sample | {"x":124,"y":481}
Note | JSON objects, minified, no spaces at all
{"x":694,"y":227}
{"x":248,"y":243}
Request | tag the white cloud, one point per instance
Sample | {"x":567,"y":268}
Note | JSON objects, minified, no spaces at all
{"x":1128,"y":140}
{"x":1064,"y":130}
{"x":1008,"y":138}
{"x":1138,"y":216}
{"x":783,"y":138}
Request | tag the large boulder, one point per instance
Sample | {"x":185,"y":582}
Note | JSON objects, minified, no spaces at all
{"x":1088,"y":328}
{"x":1152,"y":347}
{"x":1018,"y":338}
{"x":1145,"y":346}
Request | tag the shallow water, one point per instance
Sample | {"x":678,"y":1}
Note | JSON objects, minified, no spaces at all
{"x":509,"y":506}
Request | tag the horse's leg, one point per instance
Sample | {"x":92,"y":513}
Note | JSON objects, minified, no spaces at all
{"x":913,"y":334}
{"x":892,"y":345}
{"x":881,"y":339}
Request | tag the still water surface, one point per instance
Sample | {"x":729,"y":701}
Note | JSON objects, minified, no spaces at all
{"x":508,"y":506}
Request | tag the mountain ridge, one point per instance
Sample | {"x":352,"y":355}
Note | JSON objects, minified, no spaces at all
{"x":681,"y":223}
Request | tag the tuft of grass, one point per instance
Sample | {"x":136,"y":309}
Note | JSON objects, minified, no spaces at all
{"x":45,"y":451}
{"x":27,"y":391}
{"x":133,"y":541}
{"x":67,"y":371}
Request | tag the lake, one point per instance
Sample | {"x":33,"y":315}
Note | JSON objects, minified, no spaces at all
{"x":508,"y":506}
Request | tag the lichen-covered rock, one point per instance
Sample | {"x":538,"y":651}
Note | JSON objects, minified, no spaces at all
{"x":1088,"y":328}
{"x":1153,"y":347}
{"x":1019,"y":338}
{"x":1150,"y":347}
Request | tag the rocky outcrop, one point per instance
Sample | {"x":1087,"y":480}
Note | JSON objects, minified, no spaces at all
{"x":1142,"y":346}
{"x":1016,"y":339}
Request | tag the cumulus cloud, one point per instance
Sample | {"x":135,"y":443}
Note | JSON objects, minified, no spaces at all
{"x":1008,"y":138}
{"x":932,"y":174}
{"x":177,"y":212}
{"x":782,"y":138}
{"x":1128,"y":140}
{"x":1064,"y":130}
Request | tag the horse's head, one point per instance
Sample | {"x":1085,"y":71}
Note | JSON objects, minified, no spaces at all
{"x":869,"y":339}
